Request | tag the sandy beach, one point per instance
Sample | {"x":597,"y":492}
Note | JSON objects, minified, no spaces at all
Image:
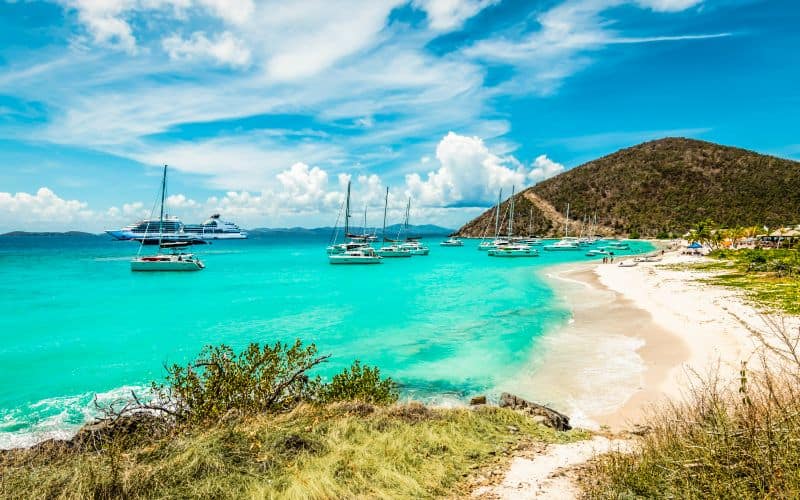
{"x":657,"y":325}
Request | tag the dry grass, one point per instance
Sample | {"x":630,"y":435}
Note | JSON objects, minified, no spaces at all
{"x":341,"y":451}
{"x":727,"y":439}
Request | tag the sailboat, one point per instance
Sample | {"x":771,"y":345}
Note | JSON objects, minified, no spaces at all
{"x":531,"y":239}
{"x":393,"y":250}
{"x":566,"y":243}
{"x":488,"y":245}
{"x":512,"y":249}
{"x":175,"y":259}
{"x":412,"y":244}
{"x":351,"y":242}
{"x":355,"y":251}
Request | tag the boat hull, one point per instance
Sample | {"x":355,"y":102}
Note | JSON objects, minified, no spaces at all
{"x":140,"y":265}
{"x":513,"y":253}
{"x":353,"y":260}
{"x":393,"y":253}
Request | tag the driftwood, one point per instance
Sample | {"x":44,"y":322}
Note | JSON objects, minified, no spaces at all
{"x":551,"y":418}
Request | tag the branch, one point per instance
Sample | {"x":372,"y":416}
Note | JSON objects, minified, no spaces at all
{"x":286,"y":383}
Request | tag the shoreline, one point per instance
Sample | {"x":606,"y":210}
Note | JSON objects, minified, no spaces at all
{"x":676,"y":326}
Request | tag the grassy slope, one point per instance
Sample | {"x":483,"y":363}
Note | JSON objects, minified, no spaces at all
{"x":770,"y":278}
{"x":342,"y":451}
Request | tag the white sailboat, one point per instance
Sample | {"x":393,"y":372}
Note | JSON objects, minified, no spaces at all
{"x":452,"y":242}
{"x":351,"y":242}
{"x":395,"y":249}
{"x":175,"y":259}
{"x":355,"y":251}
{"x":412,"y":244}
{"x":566,"y":243}
{"x":512,"y":249}
{"x":497,"y":241}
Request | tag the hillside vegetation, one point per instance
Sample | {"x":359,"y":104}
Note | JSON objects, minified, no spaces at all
{"x":669,"y":185}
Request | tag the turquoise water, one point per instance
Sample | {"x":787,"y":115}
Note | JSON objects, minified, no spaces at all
{"x":75,"y":322}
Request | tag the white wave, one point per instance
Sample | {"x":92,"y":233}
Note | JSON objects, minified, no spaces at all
{"x":56,"y":418}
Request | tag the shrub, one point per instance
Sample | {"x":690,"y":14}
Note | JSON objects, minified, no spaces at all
{"x":359,"y":383}
{"x":259,"y":379}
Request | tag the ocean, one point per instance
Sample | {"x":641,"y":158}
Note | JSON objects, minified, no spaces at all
{"x":76,"y":324}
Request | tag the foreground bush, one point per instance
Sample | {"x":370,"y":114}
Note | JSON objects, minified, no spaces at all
{"x":259,"y":379}
{"x":739,"y":441}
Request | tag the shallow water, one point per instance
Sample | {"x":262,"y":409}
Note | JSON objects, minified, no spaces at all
{"x":76,"y":322}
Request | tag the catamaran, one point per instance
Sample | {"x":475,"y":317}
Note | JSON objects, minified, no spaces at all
{"x":497,"y":241}
{"x":566,"y":243}
{"x":351,"y":242}
{"x":452,"y":242}
{"x":175,"y":260}
{"x":512,"y":249}
{"x":355,"y":251}
{"x":395,"y":249}
{"x":412,"y":243}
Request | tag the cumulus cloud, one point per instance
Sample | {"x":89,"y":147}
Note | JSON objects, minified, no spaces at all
{"x":43,"y":210}
{"x":224,"y":48}
{"x":544,"y":168}
{"x":469,"y":174}
{"x":451,"y":14}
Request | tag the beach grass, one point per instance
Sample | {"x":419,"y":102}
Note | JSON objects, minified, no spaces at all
{"x":338,"y":451}
{"x":725,"y":439}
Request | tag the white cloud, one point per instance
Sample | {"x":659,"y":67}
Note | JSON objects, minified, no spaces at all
{"x":43,"y":210}
{"x":469,"y":174}
{"x":231,"y":11}
{"x":104,"y":22}
{"x":668,"y":5}
{"x":449,"y":14}
{"x":568,"y":32}
{"x":224,"y":48}
{"x":544,"y":168}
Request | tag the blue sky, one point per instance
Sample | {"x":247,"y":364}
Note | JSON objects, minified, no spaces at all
{"x":265,"y":109}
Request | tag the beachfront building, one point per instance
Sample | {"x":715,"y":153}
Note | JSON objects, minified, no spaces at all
{"x":783,"y":237}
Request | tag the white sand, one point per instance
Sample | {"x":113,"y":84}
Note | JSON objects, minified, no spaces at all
{"x":545,"y":475}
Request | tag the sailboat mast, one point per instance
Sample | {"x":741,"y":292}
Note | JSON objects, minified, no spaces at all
{"x":161,"y":215}
{"x":385,"y":206}
{"x":347,"y":212}
{"x":364,"y":229}
{"x":530,"y":222}
{"x":566,"y":223}
{"x":497,"y":214}
{"x":511,"y":215}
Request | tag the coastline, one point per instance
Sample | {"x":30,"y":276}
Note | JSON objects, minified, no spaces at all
{"x":675,"y":326}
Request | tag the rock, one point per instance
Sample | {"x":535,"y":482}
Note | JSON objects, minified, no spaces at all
{"x":540,"y":419}
{"x":478,"y":400}
{"x":552,"y":418}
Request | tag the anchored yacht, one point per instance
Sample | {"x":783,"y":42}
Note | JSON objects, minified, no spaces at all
{"x":172,"y":229}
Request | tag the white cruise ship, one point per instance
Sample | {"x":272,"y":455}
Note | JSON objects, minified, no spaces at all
{"x":174,"y":230}
{"x":216,"y":229}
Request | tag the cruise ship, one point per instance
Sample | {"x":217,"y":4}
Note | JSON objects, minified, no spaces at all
{"x":174,"y":230}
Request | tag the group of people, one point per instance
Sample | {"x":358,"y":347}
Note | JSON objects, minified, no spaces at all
{"x":608,"y":259}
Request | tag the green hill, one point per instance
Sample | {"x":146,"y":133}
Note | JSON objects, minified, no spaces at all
{"x":664,"y":186}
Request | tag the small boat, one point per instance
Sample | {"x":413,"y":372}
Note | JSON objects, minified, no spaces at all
{"x":514,"y":250}
{"x":415,"y":247}
{"x":563,"y":245}
{"x":532,"y":241}
{"x":628,"y":263}
{"x":452,"y":242}
{"x":618,"y":245}
{"x":366,"y":255}
{"x":393,"y":251}
{"x":175,"y":260}
{"x":596,"y":253}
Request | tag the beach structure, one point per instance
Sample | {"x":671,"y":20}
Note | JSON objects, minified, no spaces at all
{"x":170,"y":256}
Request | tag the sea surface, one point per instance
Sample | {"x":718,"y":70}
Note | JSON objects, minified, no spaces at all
{"x":76,"y":324}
